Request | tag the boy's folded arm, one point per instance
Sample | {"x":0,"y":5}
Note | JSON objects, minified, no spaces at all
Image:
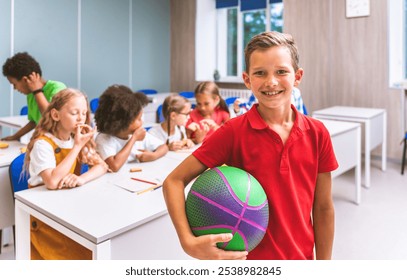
{"x":203,"y":247}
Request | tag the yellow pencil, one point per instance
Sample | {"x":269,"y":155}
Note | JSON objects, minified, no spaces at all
{"x":150,"y":189}
{"x":136,"y":169}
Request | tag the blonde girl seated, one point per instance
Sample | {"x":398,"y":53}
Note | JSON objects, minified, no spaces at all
{"x":176,"y":110}
{"x":122,"y":137}
{"x":61,"y":142}
{"x":210,"y":113}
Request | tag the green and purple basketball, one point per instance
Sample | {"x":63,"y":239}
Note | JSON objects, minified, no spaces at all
{"x":228,"y":200}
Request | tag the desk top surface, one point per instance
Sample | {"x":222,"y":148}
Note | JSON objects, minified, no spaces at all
{"x":339,"y":127}
{"x":349,"y":112}
{"x":14,"y":121}
{"x":99,"y":210}
{"x":8,"y":154}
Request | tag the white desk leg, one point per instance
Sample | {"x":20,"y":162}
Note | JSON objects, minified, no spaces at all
{"x":367,"y":154}
{"x":358,"y":167}
{"x":103,"y":251}
{"x":22,"y":220}
{"x":384,"y":144}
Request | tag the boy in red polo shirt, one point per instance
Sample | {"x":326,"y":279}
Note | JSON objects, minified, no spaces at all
{"x":290,"y":154}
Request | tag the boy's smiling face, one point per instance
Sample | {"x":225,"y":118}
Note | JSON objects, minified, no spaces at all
{"x":272,"y":76}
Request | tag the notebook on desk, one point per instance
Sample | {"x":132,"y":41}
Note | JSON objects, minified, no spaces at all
{"x":136,"y":185}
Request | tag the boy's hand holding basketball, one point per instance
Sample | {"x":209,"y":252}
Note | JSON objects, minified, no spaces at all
{"x":204,"y":248}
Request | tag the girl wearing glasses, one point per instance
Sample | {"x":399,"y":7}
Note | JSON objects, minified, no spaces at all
{"x":176,"y":111}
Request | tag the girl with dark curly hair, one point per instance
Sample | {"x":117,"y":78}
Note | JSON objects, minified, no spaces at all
{"x":122,"y":136}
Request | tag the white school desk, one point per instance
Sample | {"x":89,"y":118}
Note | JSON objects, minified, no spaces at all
{"x":346,"y":141}
{"x":6,"y":197}
{"x":15,"y":122}
{"x":112,"y":222}
{"x":375,"y":129}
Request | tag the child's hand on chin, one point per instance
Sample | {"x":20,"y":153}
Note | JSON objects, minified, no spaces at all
{"x":140,"y":133}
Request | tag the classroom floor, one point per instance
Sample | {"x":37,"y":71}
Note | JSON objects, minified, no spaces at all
{"x":374,"y":230}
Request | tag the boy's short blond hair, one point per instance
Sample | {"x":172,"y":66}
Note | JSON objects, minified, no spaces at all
{"x":266,"y":40}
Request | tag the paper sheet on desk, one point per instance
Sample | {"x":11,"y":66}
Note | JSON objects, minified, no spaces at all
{"x":189,"y":150}
{"x":133,"y":185}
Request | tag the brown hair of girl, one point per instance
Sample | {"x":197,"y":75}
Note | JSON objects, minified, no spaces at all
{"x":173,"y":103}
{"x":47,"y":124}
{"x":209,"y":87}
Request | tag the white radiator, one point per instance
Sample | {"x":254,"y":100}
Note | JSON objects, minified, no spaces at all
{"x":232,"y":92}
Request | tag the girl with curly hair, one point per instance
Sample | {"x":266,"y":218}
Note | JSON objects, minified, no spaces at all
{"x":122,"y":137}
{"x":176,"y":110}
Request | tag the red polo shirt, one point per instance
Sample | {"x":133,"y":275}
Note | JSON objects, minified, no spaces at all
{"x":288,"y":174}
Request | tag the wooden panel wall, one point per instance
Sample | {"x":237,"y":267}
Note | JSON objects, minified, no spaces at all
{"x":308,"y":22}
{"x":345,"y":61}
{"x":183,"y":45}
{"x":360,"y":66}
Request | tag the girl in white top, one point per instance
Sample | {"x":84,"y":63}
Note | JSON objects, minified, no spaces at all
{"x":122,"y":137}
{"x":61,"y":142}
{"x":172,"y":131}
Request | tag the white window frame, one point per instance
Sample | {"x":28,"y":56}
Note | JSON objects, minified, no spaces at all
{"x":221,"y":43}
{"x":396,"y":43}
{"x":210,"y":42}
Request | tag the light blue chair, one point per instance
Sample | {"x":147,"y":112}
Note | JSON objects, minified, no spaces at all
{"x":148,"y":91}
{"x":18,"y":180}
{"x":94,"y":103}
{"x":230,"y":100}
{"x":304,"y":109}
{"x":187,"y":94}
{"x":159,"y":115}
{"x":24,"y":111}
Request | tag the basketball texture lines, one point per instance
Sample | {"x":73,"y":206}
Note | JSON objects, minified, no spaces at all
{"x":228,"y":200}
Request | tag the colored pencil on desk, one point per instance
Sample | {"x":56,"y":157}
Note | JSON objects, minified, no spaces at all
{"x":144,"y":181}
{"x":136,"y":169}
{"x":153,"y":188}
